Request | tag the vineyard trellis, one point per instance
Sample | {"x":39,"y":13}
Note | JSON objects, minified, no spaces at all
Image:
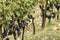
{"x":18,"y":9}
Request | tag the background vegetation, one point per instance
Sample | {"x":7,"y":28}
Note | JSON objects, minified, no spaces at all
{"x":24,"y":7}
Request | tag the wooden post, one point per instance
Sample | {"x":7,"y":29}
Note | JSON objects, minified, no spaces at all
{"x":44,"y":16}
{"x":33,"y":26}
{"x":23,"y":33}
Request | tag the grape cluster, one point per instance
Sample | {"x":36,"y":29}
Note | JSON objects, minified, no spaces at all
{"x":12,"y":22}
{"x":57,"y":6}
{"x":4,"y":34}
{"x":53,"y":15}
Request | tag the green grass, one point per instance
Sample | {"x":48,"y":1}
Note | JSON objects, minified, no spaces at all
{"x":48,"y":32}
